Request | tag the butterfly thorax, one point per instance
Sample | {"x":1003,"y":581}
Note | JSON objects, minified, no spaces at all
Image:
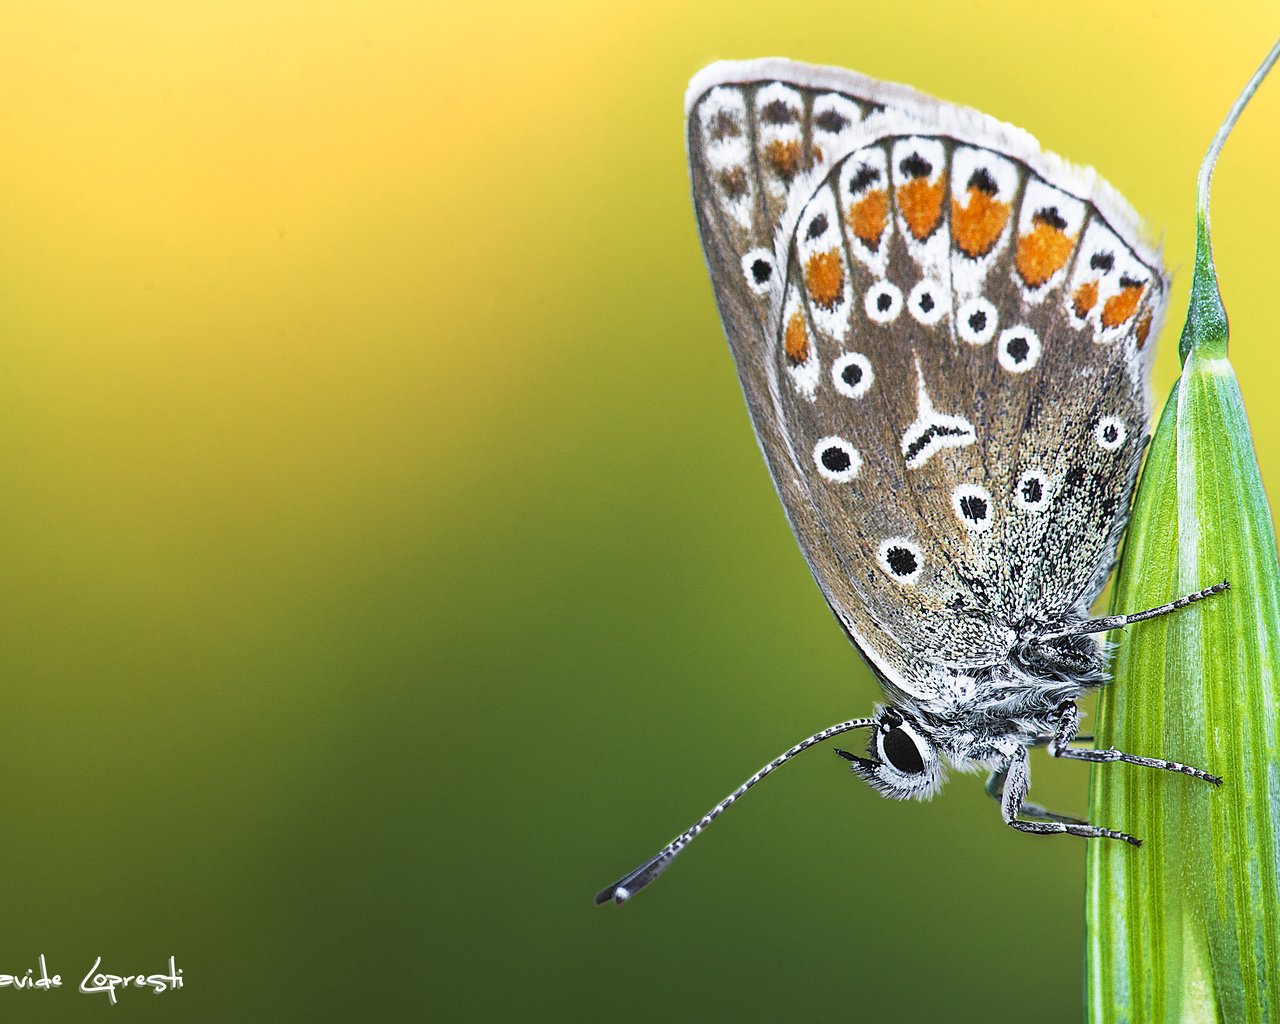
{"x":982,"y":715}
{"x":1075,"y":659}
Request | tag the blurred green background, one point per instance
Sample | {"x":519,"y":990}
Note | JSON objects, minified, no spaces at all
{"x":387,"y":560}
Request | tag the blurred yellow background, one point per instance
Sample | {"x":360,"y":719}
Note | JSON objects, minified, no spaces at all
{"x":388,"y":563}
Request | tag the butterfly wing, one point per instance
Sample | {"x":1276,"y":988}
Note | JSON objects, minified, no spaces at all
{"x":940,"y":333}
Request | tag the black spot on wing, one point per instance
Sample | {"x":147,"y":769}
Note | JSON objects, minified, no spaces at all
{"x":981,"y":180}
{"x":915,"y":166}
{"x":902,"y":561}
{"x":928,"y":434}
{"x":836,"y":459}
{"x":1050,"y":215}
{"x":778,"y":112}
{"x":831,"y":121}
{"x":863,"y":179}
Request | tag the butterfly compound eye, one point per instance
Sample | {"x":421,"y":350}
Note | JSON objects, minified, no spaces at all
{"x":898,"y":747}
{"x":902,"y":761}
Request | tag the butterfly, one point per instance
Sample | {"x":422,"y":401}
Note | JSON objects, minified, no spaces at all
{"x":941,"y":332}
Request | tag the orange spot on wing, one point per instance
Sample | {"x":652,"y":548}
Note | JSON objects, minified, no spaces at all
{"x":1042,"y":252}
{"x":1144,"y":328}
{"x":1122,"y":305}
{"x":976,"y":228}
{"x":868,"y":216}
{"x":784,"y":157}
{"x":921,"y":205}
{"x":796,"y":338}
{"x":824,"y":277}
{"x":1085,"y":298}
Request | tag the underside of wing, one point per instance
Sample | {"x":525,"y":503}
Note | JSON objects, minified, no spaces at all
{"x":941,"y":333}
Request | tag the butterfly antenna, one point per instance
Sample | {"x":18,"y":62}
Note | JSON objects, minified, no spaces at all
{"x":1119,"y":621}
{"x":631,"y":883}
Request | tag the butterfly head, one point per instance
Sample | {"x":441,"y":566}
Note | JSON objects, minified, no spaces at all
{"x":903,"y":762}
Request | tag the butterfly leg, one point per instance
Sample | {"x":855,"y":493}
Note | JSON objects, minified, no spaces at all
{"x":995,"y":790}
{"x":1069,"y":722}
{"x":1109,"y":622}
{"x":1012,"y":803}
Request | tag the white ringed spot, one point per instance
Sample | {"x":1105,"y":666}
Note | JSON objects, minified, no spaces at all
{"x":852,"y":375}
{"x":837,"y":460}
{"x":927,"y":302}
{"x":1032,"y":493}
{"x":1018,"y":349}
{"x":972,"y":505}
{"x":758,"y":269}
{"x":1110,"y":433}
{"x":901,"y":560}
{"x":976,"y":322}
{"x":883,"y":302}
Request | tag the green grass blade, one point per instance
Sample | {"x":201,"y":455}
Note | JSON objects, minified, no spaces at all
{"x":1187,"y":928}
